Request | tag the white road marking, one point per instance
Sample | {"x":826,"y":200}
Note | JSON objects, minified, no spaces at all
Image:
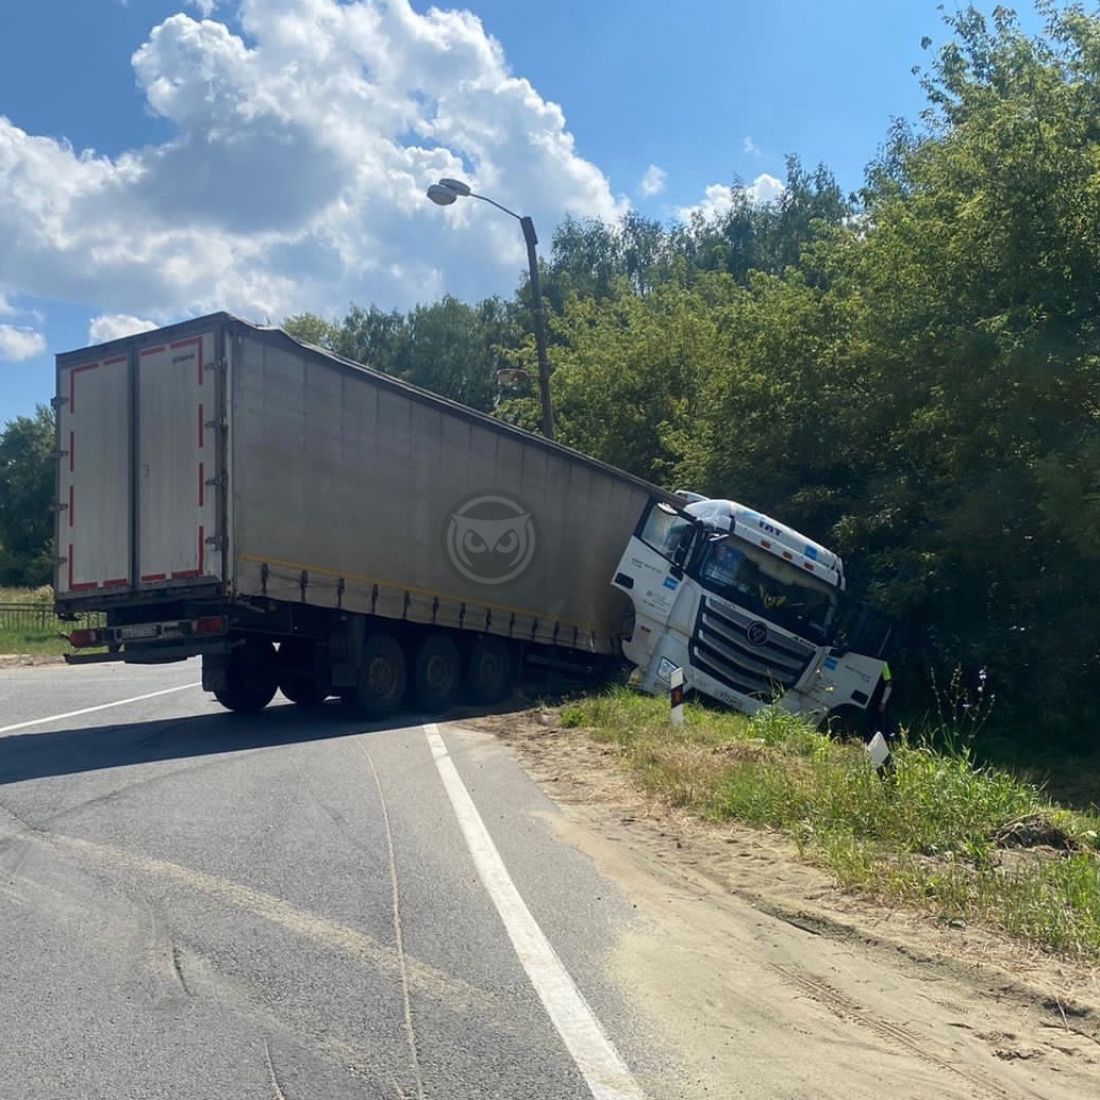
{"x":597,"y":1059}
{"x":92,"y":710}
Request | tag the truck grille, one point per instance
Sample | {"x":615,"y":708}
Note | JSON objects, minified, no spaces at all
{"x":721,"y":648}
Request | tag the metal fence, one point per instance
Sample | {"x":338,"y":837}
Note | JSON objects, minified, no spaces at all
{"x":40,"y":617}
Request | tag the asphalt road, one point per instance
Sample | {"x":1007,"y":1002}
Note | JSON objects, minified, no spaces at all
{"x":292,"y":905}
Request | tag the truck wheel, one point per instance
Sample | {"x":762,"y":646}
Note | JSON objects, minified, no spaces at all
{"x":489,"y":672}
{"x":299,"y":679}
{"x":250,"y":678}
{"x":437,"y":672}
{"x":382,"y":677}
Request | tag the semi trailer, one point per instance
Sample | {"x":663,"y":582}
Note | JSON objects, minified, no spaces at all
{"x":306,"y":524}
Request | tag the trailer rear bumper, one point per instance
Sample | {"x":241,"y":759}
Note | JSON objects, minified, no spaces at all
{"x":151,"y":654}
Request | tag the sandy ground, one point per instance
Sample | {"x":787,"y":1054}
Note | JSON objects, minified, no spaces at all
{"x":772,"y":982}
{"x":27,"y":660}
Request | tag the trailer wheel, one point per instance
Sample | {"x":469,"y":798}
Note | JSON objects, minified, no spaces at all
{"x":299,"y":678}
{"x":489,"y":670}
{"x":250,"y":678}
{"x":437,"y":672}
{"x":382,"y":677}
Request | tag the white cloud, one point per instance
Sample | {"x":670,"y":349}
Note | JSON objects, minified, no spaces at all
{"x":653,"y":182}
{"x":750,"y":147}
{"x":718,"y":197}
{"x":296,"y":176}
{"x":113,"y":326}
{"x":17,"y":344}
{"x":205,"y":8}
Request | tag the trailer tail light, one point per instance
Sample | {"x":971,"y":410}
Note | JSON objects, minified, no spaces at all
{"x":81,"y":639}
{"x":211,"y":624}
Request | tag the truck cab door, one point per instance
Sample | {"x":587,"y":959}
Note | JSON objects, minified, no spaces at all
{"x":651,"y":569}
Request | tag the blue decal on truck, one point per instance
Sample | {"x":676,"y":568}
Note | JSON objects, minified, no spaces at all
{"x":830,"y":663}
{"x":670,"y":583}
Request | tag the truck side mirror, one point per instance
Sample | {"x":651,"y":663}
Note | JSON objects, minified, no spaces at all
{"x":679,"y":556}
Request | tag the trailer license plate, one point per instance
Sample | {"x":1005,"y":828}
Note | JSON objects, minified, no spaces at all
{"x":142,"y":630}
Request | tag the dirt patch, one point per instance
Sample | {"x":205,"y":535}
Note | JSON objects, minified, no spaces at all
{"x":26,"y":660}
{"x":759,"y":969}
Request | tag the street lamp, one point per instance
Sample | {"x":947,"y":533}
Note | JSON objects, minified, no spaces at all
{"x":445,"y":192}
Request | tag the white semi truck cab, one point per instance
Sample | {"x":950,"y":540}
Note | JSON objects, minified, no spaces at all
{"x":752,"y":612}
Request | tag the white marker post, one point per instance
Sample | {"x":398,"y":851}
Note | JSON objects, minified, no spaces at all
{"x":676,"y":695}
{"x":878,"y":752}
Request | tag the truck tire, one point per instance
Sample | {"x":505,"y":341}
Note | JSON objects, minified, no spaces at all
{"x":382,"y":677}
{"x":489,"y":671}
{"x":437,"y":672}
{"x":299,"y":677}
{"x":250,"y":678}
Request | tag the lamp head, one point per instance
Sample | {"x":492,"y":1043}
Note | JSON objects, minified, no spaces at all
{"x":440,"y":195}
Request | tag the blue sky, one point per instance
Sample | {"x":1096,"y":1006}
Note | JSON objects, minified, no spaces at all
{"x":273,"y":159}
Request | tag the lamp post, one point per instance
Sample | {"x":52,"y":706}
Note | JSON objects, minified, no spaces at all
{"x":445,"y":192}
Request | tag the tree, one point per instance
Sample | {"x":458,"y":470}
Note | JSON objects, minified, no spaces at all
{"x":26,"y":495}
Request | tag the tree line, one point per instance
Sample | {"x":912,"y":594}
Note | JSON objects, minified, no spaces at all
{"x":910,"y":374}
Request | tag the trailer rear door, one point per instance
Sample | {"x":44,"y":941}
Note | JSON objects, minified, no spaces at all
{"x":177,"y":462}
{"x":94,"y":477}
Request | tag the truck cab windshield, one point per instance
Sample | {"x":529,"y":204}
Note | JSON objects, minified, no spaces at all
{"x":771,"y":589}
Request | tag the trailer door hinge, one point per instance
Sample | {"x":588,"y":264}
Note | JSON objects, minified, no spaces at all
{"x":218,"y":481}
{"x":59,"y":507}
{"x":215,"y":540}
{"x":57,"y":402}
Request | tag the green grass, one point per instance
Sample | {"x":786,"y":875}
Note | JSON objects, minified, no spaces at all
{"x":26,"y":595}
{"x":32,"y":642}
{"x":23,"y":640}
{"x":942,"y":833}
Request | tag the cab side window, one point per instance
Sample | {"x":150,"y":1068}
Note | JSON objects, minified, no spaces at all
{"x":667,"y":532}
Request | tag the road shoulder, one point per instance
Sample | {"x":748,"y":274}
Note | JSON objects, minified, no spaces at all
{"x":749,"y":947}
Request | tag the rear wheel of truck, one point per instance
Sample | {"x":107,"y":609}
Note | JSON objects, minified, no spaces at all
{"x":250,"y":678}
{"x":490,"y":671}
{"x":300,"y":679}
{"x":437,"y":672}
{"x":382,"y":677}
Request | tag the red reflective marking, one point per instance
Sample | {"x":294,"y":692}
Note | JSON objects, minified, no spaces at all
{"x":72,"y":506}
{"x":152,"y":351}
{"x":193,"y":340}
{"x":201,"y":487}
{"x":72,"y":450}
{"x":70,"y":565}
{"x":767,"y":545}
{"x":83,"y":586}
{"x":117,"y":359}
{"x":183,"y":574}
{"x":807,"y":565}
{"x":118,"y":582}
{"x":154,"y":576}
{"x":788,"y":555}
{"x":202,"y":548}
{"x":201,"y":418}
